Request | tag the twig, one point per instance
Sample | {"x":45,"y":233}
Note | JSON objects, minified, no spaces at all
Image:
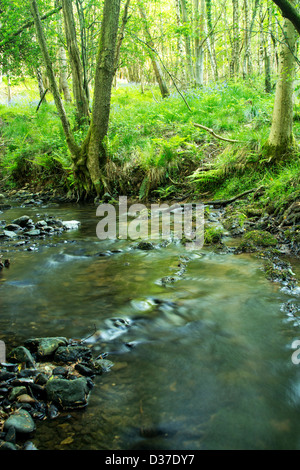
{"x":212,"y":132}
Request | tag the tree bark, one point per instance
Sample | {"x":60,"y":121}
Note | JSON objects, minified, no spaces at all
{"x":289,"y":11}
{"x":82,"y":106}
{"x":235,"y":55}
{"x":199,"y":11}
{"x":155,"y":63}
{"x":94,"y":150}
{"x":281,"y":139}
{"x":74,"y":149}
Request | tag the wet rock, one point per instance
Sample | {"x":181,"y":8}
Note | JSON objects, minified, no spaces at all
{"x":68,"y":393}
{"x":16,"y":391}
{"x":12,"y":227}
{"x":145,"y":246}
{"x":33,"y":233}
{"x":9,"y":234}
{"x":22,"y":221}
{"x":45,"y":346}
{"x":68,"y":354}
{"x":29,"y":446}
{"x":102,"y":365}
{"x":84,"y":370}
{"x":21,"y":354}
{"x":7,"y":445}
{"x":21,"y":421}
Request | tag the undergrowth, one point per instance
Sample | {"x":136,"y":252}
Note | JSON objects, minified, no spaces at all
{"x":154,"y":149}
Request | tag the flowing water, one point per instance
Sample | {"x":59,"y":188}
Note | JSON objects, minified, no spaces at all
{"x":203,"y":362}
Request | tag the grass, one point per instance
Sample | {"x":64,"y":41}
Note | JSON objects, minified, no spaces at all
{"x":154,"y":149}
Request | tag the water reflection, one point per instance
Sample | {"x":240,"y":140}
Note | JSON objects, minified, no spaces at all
{"x":202,"y":362}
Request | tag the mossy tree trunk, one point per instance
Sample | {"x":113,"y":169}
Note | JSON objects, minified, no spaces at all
{"x":82,"y":105}
{"x":281,"y":140}
{"x":90,"y":158}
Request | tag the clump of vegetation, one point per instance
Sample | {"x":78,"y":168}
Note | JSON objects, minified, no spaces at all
{"x":254,"y":239}
{"x":213,"y":235}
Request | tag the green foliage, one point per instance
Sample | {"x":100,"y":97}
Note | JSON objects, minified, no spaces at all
{"x":212,"y":235}
{"x":35,"y":148}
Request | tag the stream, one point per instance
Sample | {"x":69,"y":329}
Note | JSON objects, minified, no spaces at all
{"x":203,"y":362}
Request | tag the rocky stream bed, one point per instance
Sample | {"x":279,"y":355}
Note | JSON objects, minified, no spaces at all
{"x":46,"y":376}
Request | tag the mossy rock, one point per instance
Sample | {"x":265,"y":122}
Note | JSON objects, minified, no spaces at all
{"x":213,"y":235}
{"x":257,"y":238}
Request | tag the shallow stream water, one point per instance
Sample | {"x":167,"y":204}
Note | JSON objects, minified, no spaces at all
{"x":203,"y":362}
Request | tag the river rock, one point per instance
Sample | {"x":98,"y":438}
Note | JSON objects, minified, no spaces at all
{"x":68,"y":393}
{"x":9,"y":234}
{"x":22,"y":221}
{"x":67,"y":354}
{"x":102,"y":365}
{"x":33,"y":233}
{"x":12,"y":227}
{"x":21,"y":421}
{"x":22,"y":355}
{"x":45,"y":346}
{"x":17,"y":391}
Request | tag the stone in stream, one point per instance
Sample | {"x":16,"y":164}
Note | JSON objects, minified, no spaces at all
{"x":45,"y":346}
{"x":21,"y":354}
{"x":22,"y":221}
{"x":68,"y":393}
{"x":8,"y":234}
{"x":21,"y":421}
{"x":67,"y":354}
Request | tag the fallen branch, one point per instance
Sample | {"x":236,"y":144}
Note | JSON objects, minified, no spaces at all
{"x":216,"y":135}
{"x":224,"y":202}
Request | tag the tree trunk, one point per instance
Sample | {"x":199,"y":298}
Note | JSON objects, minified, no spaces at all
{"x":235,"y":55}
{"x":83,"y":41}
{"x":199,"y":41}
{"x":82,"y":106}
{"x":93,"y":150}
{"x":180,"y":48}
{"x":39,"y":77}
{"x":188,"y":49}
{"x":155,"y":63}
{"x":281,"y":139}
{"x":211,"y":41}
{"x":247,"y":64}
{"x":74,"y":149}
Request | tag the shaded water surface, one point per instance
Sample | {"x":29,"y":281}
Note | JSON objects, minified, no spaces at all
{"x":202,"y":362}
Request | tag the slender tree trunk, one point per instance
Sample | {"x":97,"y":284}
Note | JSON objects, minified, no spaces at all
{"x":83,"y":41}
{"x":235,"y":56}
{"x":268,"y":51}
{"x":247,"y":63}
{"x":39,"y":77}
{"x":211,"y":41}
{"x":199,"y":11}
{"x":188,"y":49}
{"x":155,"y":62}
{"x":180,"y":48}
{"x":281,"y":139}
{"x":63,"y":78}
{"x":74,"y":149}
{"x":82,"y":106}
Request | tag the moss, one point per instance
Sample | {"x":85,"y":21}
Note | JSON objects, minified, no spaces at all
{"x":257,"y":238}
{"x":212,"y":235}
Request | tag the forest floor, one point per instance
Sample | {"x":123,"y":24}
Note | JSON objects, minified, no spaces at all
{"x":158,"y":153}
